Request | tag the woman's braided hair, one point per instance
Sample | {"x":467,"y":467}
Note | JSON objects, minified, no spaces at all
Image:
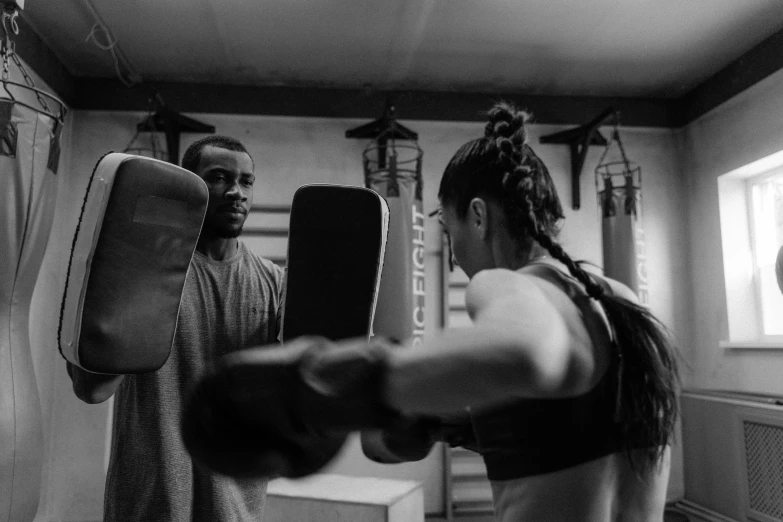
{"x":501,"y":166}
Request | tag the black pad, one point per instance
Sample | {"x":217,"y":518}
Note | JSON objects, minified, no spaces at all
{"x":336,"y":244}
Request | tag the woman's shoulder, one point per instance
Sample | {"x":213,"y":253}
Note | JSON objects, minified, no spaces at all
{"x":499,"y":284}
{"x":619,"y":289}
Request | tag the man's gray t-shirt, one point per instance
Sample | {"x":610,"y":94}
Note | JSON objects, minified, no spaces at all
{"x":226,"y":305}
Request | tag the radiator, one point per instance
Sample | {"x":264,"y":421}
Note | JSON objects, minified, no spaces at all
{"x":733,"y":453}
{"x":763,"y":451}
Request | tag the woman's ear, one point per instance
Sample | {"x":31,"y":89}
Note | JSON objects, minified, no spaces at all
{"x":478,"y":217}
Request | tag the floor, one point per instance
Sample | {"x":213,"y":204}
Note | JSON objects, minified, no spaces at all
{"x":478,"y":516}
{"x":671,"y":516}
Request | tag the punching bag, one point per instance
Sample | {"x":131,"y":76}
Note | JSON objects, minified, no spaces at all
{"x":399,"y":314}
{"x":620,"y":201}
{"x":29,"y":156}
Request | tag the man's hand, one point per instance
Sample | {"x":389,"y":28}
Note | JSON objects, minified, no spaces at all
{"x":92,"y":388}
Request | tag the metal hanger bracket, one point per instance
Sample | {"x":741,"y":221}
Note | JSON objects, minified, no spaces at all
{"x":579,"y":139}
{"x":172,"y":124}
{"x":381,"y":130}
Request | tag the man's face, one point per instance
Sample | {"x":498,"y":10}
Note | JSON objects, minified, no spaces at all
{"x":229,"y":177}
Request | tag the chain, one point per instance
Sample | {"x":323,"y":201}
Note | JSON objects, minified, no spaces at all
{"x":8,"y":16}
{"x":9,"y":50}
{"x":616,"y":137}
{"x":603,"y":154}
{"x":28,"y":79}
{"x":622,"y":149}
{"x":5,"y":51}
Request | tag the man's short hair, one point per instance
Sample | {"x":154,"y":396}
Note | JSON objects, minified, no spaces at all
{"x":192,"y":156}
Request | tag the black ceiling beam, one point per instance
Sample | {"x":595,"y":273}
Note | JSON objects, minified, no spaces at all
{"x":747,"y":70}
{"x":109,"y":94}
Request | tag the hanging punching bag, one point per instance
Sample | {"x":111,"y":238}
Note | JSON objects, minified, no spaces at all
{"x":29,"y":156}
{"x":622,"y":232}
{"x":399,"y":314}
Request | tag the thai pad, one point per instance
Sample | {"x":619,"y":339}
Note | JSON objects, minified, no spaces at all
{"x":336,"y":245}
{"x":139,"y":224}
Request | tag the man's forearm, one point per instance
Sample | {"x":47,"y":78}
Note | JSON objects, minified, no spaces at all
{"x":92,"y":388}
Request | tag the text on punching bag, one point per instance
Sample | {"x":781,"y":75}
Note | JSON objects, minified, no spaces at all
{"x":418,"y":275}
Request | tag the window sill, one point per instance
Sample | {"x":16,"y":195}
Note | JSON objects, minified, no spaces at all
{"x":751,"y":345}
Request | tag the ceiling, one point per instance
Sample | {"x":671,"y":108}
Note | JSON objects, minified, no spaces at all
{"x":628,"y":48}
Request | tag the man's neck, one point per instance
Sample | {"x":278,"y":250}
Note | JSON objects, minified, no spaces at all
{"x":217,"y":248}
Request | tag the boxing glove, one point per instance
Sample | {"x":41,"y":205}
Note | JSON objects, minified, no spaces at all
{"x":456,"y":430}
{"x":412,"y":437}
{"x":286,"y":411}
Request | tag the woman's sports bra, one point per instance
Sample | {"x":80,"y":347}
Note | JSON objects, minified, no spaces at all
{"x":535,"y":436}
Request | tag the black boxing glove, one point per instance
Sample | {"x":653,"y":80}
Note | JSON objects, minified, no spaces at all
{"x":456,"y":430}
{"x":411,"y":438}
{"x":286,"y":411}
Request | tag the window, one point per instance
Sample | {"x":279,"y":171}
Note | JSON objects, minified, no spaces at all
{"x":751,"y":223}
{"x":765,"y":206}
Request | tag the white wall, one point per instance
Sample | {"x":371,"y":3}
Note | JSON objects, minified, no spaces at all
{"x":742,"y":130}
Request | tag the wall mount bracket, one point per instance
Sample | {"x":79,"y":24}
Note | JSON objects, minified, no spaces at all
{"x":172,"y":124}
{"x":382,"y":130}
{"x":579,"y":139}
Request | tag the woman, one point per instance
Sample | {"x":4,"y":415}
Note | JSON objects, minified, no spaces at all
{"x":569,"y":383}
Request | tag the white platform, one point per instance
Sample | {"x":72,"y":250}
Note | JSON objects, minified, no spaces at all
{"x":340,"y":498}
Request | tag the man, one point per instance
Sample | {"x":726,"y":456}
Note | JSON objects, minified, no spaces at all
{"x":231,"y":300}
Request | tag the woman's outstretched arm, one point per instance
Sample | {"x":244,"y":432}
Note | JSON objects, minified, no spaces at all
{"x":519,"y":346}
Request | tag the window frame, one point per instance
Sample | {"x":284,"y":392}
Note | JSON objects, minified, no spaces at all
{"x":750,"y":183}
{"x":741,"y":331}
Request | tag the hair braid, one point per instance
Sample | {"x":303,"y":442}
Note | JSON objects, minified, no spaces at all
{"x":506,"y":129}
{"x":500,"y":165}
{"x":647,"y":379}
{"x":594,"y":290}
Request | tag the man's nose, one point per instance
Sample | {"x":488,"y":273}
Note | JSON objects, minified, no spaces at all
{"x":235,"y":192}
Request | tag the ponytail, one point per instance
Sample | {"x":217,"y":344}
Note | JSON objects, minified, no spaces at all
{"x":646,"y":407}
{"x":648,"y":378}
